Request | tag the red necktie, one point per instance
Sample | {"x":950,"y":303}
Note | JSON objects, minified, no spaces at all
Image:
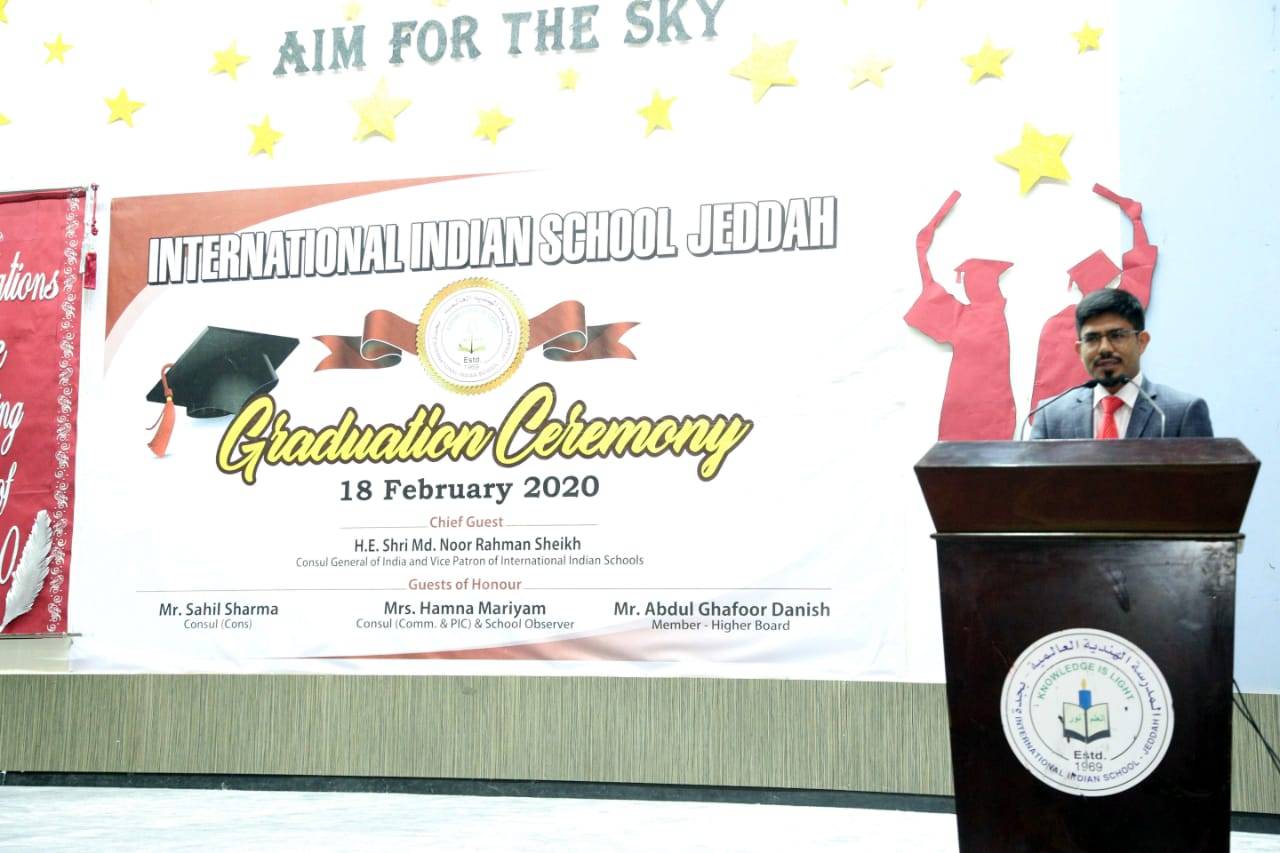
{"x":1107,"y":429}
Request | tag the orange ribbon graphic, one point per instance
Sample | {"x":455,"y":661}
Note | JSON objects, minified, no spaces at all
{"x":561,"y":331}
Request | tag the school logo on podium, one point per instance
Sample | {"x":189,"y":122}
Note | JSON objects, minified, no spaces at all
{"x":1087,"y":712}
{"x":1084,"y":721}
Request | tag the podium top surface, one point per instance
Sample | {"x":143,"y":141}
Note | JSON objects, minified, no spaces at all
{"x":1177,"y":486}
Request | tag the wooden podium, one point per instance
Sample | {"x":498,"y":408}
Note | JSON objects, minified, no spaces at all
{"x":1088,"y":618}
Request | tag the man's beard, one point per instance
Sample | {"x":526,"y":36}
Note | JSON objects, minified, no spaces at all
{"x":1112,"y":377}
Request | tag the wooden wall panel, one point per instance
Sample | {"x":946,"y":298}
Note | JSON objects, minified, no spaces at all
{"x":852,"y":736}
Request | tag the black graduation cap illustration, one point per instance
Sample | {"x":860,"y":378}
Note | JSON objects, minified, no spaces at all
{"x":221,"y":371}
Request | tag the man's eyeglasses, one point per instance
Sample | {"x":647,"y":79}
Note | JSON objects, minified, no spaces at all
{"x":1115,"y":337}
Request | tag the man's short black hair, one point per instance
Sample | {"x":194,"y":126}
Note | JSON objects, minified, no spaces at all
{"x":1110,"y":301}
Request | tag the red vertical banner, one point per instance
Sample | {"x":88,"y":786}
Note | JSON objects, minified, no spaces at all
{"x":40,"y":279}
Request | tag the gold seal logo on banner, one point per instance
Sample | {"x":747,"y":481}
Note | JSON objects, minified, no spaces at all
{"x":472,"y":336}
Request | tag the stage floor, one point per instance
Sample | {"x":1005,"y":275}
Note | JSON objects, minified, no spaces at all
{"x":104,"y":819}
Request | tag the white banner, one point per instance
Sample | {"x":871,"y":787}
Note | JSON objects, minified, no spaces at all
{"x":634,"y":404}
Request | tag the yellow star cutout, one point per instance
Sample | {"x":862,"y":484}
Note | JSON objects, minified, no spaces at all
{"x":57,"y":50}
{"x":870,"y":70}
{"x":987,"y":62}
{"x":492,"y":122}
{"x":351,"y":11}
{"x":378,"y":112}
{"x":657,"y":113}
{"x":1037,"y":156}
{"x":122,"y":109}
{"x":568,"y":79}
{"x":227,"y":61}
{"x":265,"y":138}
{"x":4,"y":119}
{"x":766,"y":66}
{"x":1088,"y":37}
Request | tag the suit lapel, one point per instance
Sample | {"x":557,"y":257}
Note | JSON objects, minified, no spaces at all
{"x":1141,"y":417}
{"x":1082,"y":415}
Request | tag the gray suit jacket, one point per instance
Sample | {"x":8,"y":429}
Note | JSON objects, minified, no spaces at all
{"x":1071,"y":416}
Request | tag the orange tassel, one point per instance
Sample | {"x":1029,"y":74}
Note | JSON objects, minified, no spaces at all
{"x":160,"y":443}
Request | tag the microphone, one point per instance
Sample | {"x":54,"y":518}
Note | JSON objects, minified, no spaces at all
{"x":1123,"y":379}
{"x":1023,"y":430}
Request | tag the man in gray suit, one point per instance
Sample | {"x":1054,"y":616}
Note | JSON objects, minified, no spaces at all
{"x":1110,"y":326}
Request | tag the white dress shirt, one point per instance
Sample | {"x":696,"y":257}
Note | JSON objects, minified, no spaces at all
{"x":1128,"y":393}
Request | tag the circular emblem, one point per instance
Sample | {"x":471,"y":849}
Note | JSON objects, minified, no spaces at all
{"x":472,"y":336}
{"x":1087,"y":712}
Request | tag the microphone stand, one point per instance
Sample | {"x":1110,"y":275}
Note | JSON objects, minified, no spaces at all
{"x":1022,"y":431}
{"x":1149,"y":399}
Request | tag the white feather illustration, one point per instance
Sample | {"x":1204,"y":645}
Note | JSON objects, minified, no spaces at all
{"x":33,"y":568}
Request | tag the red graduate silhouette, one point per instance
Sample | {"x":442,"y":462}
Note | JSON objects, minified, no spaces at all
{"x":1057,"y":365}
{"x":978,"y":404}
